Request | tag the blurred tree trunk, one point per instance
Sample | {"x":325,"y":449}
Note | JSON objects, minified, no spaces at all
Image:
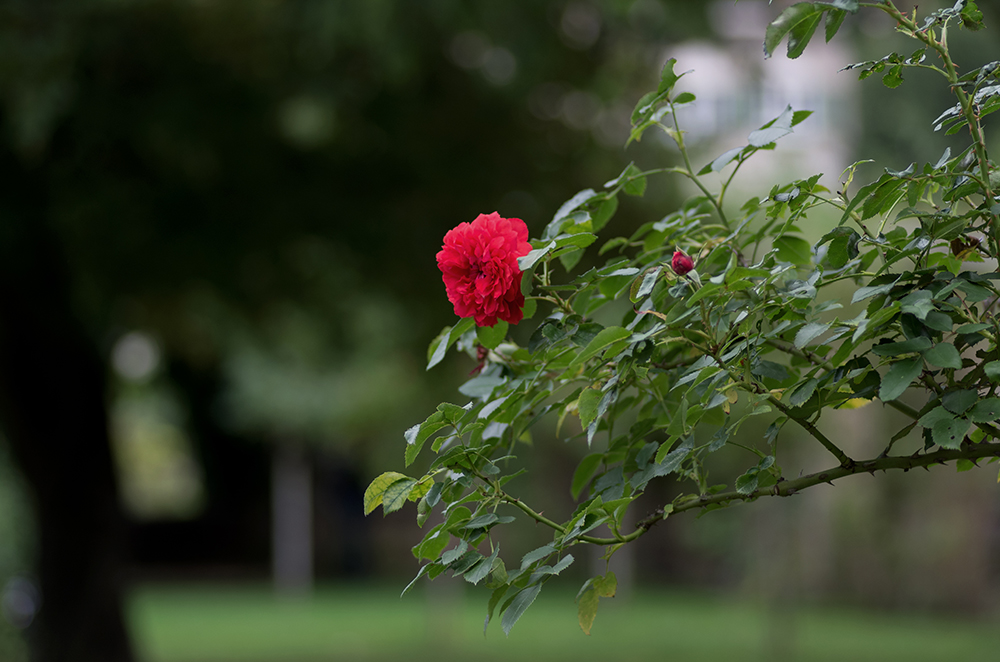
{"x":292,"y":520}
{"x":52,"y":390}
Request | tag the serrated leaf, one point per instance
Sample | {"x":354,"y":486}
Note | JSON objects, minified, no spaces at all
{"x":589,"y":401}
{"x":526,"y":262}
{"x":834,"y":19}
{"x":863,"y":293}
{"x":803,"y":392}
{"x":950,"y":433}
{"x":901,"y":374}
{"x":479,"y":571}
{"x":377,"y":488}
{"x":992,"y":370}
{"x":606,"y":337}
{"x":931,"y":418}
{"x":810,"y":332}
{"x":959,"y":402}
{"x":985,"y":411}
{"x":572,"y":204}
{"x":798,"y":22}
{"x":520,"y":602}
{"x":944,"y":355}
{"x":781,"y":126}
{"x":793,"y":249}
{"x":918,"y":344}
{"x":396,"y":495}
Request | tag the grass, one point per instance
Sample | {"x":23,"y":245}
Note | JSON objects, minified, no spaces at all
{"x":358,"y":624}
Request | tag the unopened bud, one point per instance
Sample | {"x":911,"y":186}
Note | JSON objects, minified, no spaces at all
{"x":681,"y":264}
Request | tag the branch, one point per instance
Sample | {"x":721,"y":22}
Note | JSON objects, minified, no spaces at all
{"x":842,"y":457}
{"x":790,"y":487}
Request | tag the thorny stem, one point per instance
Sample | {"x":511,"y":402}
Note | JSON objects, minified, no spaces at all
{"x":783,"y":488}
{"x":965,"y":101}
{"x":842,"y":457}
{"x":790,"y":487}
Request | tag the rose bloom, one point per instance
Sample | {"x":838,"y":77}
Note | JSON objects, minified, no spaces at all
{"x":479,"y":267}
{"x":681,"y":263}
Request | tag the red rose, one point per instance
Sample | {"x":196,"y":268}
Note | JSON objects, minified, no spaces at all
{"x":479,"y":267}
{"x":681,"y":264}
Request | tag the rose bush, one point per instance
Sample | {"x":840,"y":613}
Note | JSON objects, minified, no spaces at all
{"x":479,"y":267}
{"x":701,"y":320}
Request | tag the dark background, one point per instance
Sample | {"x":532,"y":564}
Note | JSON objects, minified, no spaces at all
{"x":254,"y":192}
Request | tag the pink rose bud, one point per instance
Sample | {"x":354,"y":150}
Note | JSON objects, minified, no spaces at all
{"x":681,"y":264}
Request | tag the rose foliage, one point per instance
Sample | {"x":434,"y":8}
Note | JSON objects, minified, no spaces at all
{"x":709,"y":317}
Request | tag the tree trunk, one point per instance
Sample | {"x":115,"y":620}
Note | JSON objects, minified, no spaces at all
{"x":292,"y":520}
{"x":52,"y":390}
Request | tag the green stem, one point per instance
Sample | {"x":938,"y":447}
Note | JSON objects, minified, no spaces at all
{"x":845,"y":461}
{"x":964,"y":99}
{"x":690,"y":174}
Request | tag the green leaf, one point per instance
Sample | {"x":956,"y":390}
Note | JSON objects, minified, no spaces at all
{"x":944,"y":355}
{"x":570,"y":205}
{"x":520,"y":602}
{"x":722,"y":160}
{"x":770,"y":132}
{"x":883,"y":198}
{"x":959,"y":402}
{"x":418,"y":435}
{"x":396,"y":494}
{"x":985,"y":411}
{"x":433,"y":544}
{"x":918,"y":303}
{"x":536,"y":555}
{"x":584,"y":472}
{"x":931,"y":418}
{"x":479,"y":571}
{"x":491,"y":336}
{"x":606,"y":337}
{"x":603,"y":214}
{"x":747,"y":483}
{"x":810,"y":332}
{"x":901,"y":374}
{"x":646,"y":285}
{"x":599,"y":587}
{"x":587,"y":405}
{"x":863,"y":293}
{"x":377,"y":488}
{"x":950,"y":433}
{"x":439,"y":346}
{"x":918,"y":344}
{"x":803,"y":392}
{"x":894,"y":77}
{"x":526,"y":262}
{"x":834,"y":19}
{"x":992,"y":370}
{"x":938,"y":321}
{"x":798,"y":22}
{"x":793,"y":249}
{"x":667,"y":77}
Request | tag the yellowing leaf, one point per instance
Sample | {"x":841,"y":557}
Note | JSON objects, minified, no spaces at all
{"x":598,"y":587}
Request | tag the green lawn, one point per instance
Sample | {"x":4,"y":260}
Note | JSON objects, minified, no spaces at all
{"x":356,"y":624}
